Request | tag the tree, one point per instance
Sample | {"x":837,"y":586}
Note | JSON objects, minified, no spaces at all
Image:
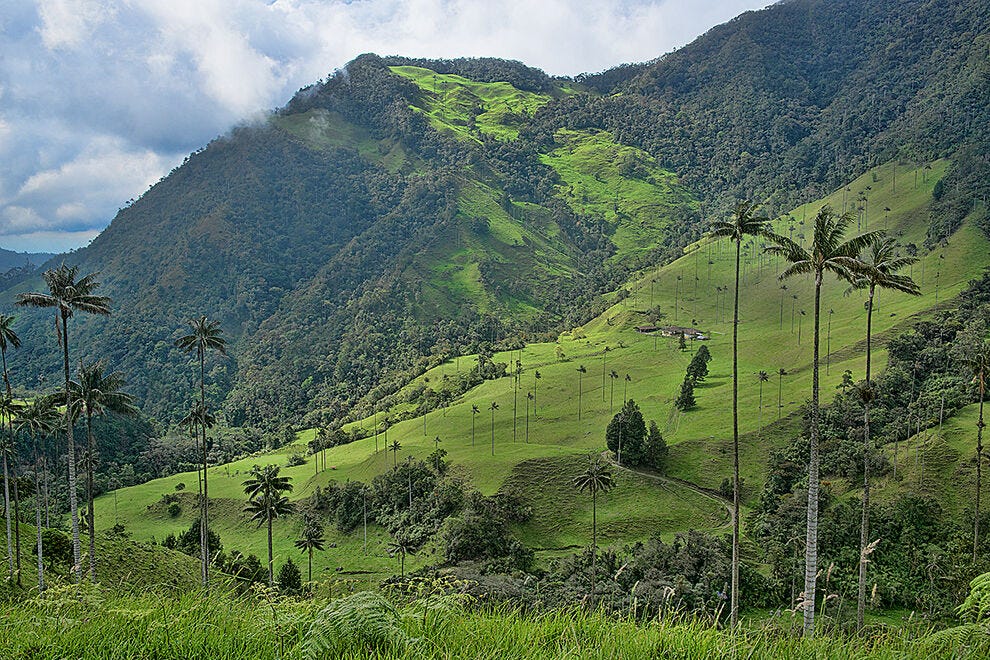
{"x":882,"y":264}
{"x":977,"y":360}
{"x":828,"y":253}
{"x":655,"y":449}
{"x":68,"y":295}
{"x":474,"y":411}
{"x":8,"y":339}
{"x":581,"y":372}
{"x":697,"y":370}
{"x":206,"y":335}
{"x":311,"y":539}
{"x":266,"y":501}
{"x":394,"y":448}
{"x":780,"y":390}
{"x":761,"y":377}
{"x":97,"y":393}
{"x":536,"y":379}
{"x":613,"y":376}
{"x":596,"y":478}
{"x":625,"y":434}
{"x":400,"y":547}
{"x":685,"y":400}
{"x":289,"y":578}
{"x":38,"y":420}
{"x":529,"y":397}
{"x":8,"y":410}
{"x":743,"y":222}
{"x":493,"y":408}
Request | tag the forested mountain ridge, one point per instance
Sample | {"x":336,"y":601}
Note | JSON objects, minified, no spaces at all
{"x":408,"y":208}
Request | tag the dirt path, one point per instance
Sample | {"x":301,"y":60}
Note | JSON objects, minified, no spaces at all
{"x":674,"y":481}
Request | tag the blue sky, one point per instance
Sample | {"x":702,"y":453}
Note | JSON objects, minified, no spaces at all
{"x":101,"y":98}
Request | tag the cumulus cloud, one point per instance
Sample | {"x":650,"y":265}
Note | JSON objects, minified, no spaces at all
{"x":98,"y":98}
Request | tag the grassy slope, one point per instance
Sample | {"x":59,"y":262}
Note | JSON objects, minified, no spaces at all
{"x":558,"y":442}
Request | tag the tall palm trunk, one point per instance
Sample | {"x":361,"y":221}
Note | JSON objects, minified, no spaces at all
{"x":37,"y":513}
{"x":979,"y":467}
{"x":73,"y":498}
{"x":864,"y":527}
{"x":6,"y":471}
{"x":90,"y":508}
{"x":814,"y":467}
{"x":17,"y":526}
{"x":271,"y":556}
{"x":205,"y":503}
{"x":594,"y":540}
{"x":6,"y":508}
{"x":734,"y":603}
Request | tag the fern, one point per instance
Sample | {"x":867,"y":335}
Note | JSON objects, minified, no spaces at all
{"x":362,"y":623}
{"x":977,"y":604}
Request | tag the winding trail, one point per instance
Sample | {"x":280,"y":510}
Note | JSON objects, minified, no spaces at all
{"x":667,"y":482}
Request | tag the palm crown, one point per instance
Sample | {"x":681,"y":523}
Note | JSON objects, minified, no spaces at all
{"x":67,"y":294}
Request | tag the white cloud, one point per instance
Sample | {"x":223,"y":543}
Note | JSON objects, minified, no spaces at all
{"x":101,"y":97}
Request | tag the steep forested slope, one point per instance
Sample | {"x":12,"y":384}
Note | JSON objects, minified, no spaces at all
{"x":405,"y":209}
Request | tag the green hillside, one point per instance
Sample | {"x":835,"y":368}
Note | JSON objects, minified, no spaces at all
{"x":539,"y":463}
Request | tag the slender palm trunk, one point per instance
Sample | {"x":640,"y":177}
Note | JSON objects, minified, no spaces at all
{"x":271,"y":556}
{"x":37,"y":515}
{"x":594,"y":539}
{"x":6,"y":508}
{"x":311,"y":569}
{"x":6,"y":472}
{"x":734,"y":603}
{"x":17,"y":525}
{"x":811,"y":538}
{"x":204,"y":526}
{"x":979,"y":467}
{"x":73,"y":499}
{"x":864,"y":528}
{"x":90,"y":508}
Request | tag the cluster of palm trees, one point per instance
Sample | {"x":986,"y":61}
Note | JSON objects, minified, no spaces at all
{"x":869,"y":261}
{"x":93,"y":393}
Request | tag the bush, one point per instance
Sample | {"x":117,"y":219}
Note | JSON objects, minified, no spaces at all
{"x":174,"y":509}
{"x":296,"y":459}
{"x":289,"y":578}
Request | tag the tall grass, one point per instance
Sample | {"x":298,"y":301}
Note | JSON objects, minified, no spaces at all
{"x":83,"y":622}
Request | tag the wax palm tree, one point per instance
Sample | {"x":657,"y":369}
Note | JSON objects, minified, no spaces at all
{"x":780,"y":389}
{"x":977,"y":360}
{"x":97,"y":393}
{"x":474,"y":412}
{"x":581,"y":372}
{"x":529,"y":397}
{"x":536,"y":379}
{"x":39,"y":420}
{"x":743,"y":222}
{"x":493,"y":408}
{"x":882,"y":264}
{"x":267,"y":501}
{"x":311,"y":539}
{"x":68,"y":295}
{"x":8,"y":410}
{"x":597,"y":478}
{"x":394,"y":448}
{"x":401,"y":547}
{"x":613,"y":376}
{"x":8,"y":339}
{"x":829,"y":252}
{"x":205,"y":335}
{"x":761,"y":377}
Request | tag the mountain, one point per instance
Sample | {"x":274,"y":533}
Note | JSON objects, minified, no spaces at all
{"x":10,"y":259}
{"x":405,"y":210}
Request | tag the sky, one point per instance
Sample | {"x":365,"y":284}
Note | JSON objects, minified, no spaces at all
{"x":99,"y":99}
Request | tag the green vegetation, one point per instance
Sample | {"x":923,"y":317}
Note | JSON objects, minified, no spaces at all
{"x":73,"y":622}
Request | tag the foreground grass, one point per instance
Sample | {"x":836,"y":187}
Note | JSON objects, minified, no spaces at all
{"x":87,"y":623}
